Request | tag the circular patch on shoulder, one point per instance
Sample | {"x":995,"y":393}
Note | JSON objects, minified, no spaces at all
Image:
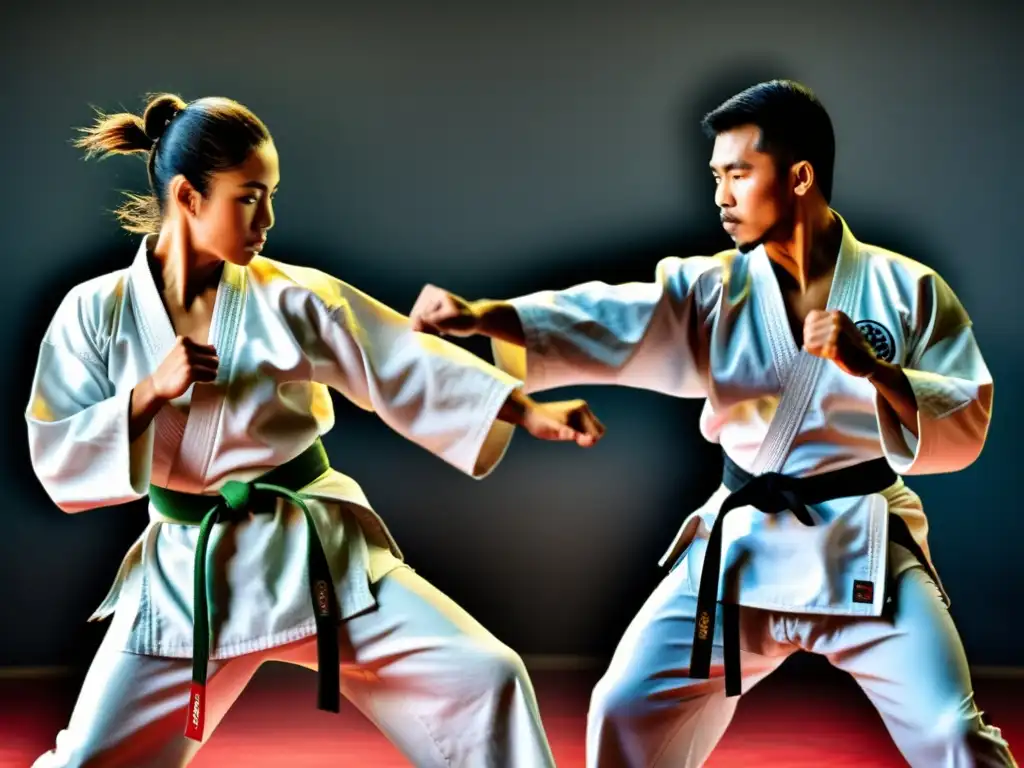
{"x":880,"y":339}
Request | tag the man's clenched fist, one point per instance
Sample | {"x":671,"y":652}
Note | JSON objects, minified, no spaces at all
{"x":834,"y":336}
{"x":439,"y":312}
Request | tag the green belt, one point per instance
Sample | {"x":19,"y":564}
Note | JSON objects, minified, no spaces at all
{"x":237,"y":500}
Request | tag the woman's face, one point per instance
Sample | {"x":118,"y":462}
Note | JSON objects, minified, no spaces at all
{"x":231,"y":221}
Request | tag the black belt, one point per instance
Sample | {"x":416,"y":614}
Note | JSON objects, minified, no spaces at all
{"x":770,"y":493}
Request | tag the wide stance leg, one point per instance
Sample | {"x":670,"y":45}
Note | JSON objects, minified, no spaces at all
{"x":915,"y":672}
{"x":646,"y":711}
{"x":130,"y":712}
{"x":441,"y":688}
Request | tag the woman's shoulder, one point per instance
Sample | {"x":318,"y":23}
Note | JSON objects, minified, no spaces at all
{"x":274,"y":275}
{"x":88,"y":312}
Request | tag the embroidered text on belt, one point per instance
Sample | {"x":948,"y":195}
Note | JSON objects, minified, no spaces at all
{"x":237,"y":500}
{"x":770,"y":493}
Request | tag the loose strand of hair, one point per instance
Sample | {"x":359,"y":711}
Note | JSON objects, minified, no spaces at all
{"x":139,"y":214}
{"x":120,"y":133}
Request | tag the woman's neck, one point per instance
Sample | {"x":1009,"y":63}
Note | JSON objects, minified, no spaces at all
{"x":182,"y":273}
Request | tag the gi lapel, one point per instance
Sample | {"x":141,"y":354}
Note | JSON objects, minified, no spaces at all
{"x":151,"y":318}
{"x":157,"y":335}
{"x":197,"y":443}
{"x":798,"y":370}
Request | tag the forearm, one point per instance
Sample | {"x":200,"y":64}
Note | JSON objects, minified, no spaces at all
{"x":892,"y":384}
{"x":498,"y":320}
{"x":515,"y":407}
{"x":145,"y":404}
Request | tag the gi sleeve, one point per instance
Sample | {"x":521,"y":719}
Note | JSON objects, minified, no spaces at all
{"x":650,"y":335}
{"x":78,"y":424}
{"x":951,"y":384}
{"x":432,"y":392}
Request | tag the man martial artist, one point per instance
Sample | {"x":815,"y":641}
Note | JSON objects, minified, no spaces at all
{"x":828,"y":368}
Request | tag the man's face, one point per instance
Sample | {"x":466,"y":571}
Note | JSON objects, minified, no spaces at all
{"x":749,"y":192}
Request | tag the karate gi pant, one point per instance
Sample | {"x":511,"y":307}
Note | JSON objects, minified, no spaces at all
{"x":645,"y":712}
{"x":440,"y":687}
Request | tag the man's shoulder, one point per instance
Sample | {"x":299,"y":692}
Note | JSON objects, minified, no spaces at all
{"x":897,"y":264}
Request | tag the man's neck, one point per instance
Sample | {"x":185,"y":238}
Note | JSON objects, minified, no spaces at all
{"x":812,"y":248}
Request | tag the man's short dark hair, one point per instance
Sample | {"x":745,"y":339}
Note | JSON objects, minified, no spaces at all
{"x":794,"y":125}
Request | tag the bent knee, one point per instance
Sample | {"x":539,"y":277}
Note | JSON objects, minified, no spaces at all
{"x":624,"y":696}
{"x":621,"y":698}
{"x":493,"y":665}
{"x":613,"y":698}
{"x":958,"y":734}
{"x":69,"y":752}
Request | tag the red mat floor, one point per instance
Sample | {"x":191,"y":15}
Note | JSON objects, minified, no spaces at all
{"x":792,"y":719}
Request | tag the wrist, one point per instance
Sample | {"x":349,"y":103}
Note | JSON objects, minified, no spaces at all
{"x":517,"y":407}
{"x":482,"y":311}
{"x":145,"y":397}
{"x":497,"y":319}
{"x":881,"y":372}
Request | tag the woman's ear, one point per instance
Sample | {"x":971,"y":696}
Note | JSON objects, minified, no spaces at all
{"x":185,"y":197}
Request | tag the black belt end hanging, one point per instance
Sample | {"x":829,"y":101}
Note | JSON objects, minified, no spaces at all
{"x":731,"y":643}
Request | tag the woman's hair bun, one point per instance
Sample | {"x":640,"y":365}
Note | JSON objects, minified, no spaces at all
{"x":159,"y":112}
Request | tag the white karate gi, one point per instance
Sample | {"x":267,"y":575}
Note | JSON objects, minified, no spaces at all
{"x":717,"y":328}
{"x":436,"y":682}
